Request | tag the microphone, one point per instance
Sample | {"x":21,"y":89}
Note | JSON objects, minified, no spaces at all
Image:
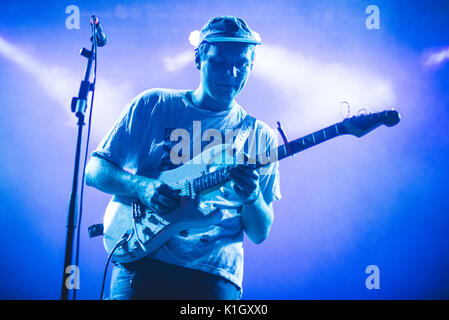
{"x":101,"y":36}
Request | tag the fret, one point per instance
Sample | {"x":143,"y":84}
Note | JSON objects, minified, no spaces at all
{"x":308,"y":141}
{"x":202,"y":185}
{"x":318,"y":137}
{"x":223,"y":175}
{"x":328,"y":132}
{"x":195,"y":185}
{"x":333,"y":131}
{"x":207,"y":181}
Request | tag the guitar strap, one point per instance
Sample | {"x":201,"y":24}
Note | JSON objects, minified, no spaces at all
{"x":248,"y":124}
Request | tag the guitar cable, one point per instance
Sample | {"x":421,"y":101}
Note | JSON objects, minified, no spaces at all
{"x":125,"y":238}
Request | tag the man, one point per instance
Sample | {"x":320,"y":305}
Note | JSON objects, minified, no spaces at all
{"x":190,"y":266}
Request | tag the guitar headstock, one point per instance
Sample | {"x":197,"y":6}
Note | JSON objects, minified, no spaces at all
{"x":362,"y":124}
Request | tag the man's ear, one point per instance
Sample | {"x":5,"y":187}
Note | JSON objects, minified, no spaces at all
{"x":197,"y":60}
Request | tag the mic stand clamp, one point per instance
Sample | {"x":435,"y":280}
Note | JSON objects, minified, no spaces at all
{"x":79,"y":103}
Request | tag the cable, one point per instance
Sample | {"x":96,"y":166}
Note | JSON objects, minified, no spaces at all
{"x":125,"y":238}
{"x":106,"y":269}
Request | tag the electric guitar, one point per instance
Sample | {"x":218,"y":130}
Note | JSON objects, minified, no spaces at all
{"x":132,"y":231}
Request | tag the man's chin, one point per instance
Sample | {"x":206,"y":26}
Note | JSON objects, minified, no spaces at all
{"x":225,"y":97}
{"x":225,"y":101}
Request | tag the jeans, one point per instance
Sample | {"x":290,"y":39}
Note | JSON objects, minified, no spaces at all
{"x":149,"y":279}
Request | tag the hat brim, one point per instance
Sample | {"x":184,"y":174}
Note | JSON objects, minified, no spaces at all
{"x":231,"y":39}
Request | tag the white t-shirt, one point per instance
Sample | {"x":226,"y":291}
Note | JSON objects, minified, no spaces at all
{"x":139,"y":142}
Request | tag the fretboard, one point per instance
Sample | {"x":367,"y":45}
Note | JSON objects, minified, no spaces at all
{"x":210,"y":180}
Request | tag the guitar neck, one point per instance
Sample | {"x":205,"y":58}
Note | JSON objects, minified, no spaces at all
{"x":221,"y":176}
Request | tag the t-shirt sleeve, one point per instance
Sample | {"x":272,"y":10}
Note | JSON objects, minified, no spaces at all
{"x":269,"y":175}
{"x":122,"y":144}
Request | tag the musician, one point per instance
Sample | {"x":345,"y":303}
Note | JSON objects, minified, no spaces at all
{"x":190,"y":266}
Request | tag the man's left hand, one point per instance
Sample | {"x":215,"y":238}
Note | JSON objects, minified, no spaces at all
{"x":246,"y":183}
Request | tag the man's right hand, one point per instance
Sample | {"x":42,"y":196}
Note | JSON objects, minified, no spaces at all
{"x":158,"y":196}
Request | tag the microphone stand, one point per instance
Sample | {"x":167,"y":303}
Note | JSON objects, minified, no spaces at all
{"x":78,"y":106}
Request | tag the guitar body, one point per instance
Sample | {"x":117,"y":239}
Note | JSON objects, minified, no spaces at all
{"x":147,"y":231}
